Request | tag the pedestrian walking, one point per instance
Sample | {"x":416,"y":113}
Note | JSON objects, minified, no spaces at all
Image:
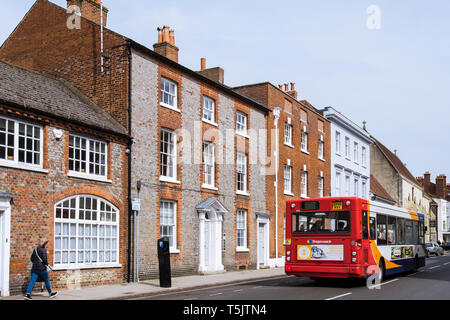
{"x":40,"y":269}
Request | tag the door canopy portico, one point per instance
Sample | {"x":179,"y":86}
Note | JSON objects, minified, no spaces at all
{"x":210,"y":214}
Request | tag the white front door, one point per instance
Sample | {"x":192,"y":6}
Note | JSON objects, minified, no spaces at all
{"x":2,"y":250}
{"x":261,"y":243}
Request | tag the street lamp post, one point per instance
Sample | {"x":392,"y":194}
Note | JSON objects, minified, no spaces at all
{"x":276,"y":114}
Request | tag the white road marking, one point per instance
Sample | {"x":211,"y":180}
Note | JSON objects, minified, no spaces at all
{"x":257,"y":287}
{"x":446,"y":263}
{"x":191,"y":299}
{"x":340,"y":296}
{"x":382,"y":284}
{"x":239,"y":290}
{"x":434,"y":267}
{"x":409,"y":275}
{"x":215,"y":294}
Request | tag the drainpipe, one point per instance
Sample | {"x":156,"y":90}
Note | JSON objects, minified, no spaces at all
{"x":276,"y":113}
{"x":130,"y":212}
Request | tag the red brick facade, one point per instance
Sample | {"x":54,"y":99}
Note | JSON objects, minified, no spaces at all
{"x":35,"y":194}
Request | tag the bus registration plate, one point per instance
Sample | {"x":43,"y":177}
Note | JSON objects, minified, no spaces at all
{"x":337,"y":205}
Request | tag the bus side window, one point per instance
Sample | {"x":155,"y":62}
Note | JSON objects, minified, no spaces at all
{"x":381,"y":230}
{"x":365,"y":226}
{"x":373,"y":234}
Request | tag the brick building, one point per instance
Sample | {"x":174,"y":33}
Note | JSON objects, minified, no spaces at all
{"x":304,"y":154}
{"x":193,"y":162}
{"x":63,"y":170}
{"x":440,"y":192}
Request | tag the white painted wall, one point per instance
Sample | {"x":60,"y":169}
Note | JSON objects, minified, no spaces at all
{"x":348,"y":167}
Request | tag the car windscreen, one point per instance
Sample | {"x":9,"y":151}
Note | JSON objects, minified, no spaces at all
{"x":321,"y":222}
{"x":428,"y":245}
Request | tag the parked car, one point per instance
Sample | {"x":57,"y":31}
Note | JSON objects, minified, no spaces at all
{"x":433,"y":248}
{"x":439,"y":249}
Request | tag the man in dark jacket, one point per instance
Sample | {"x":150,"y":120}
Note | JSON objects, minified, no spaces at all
{"x":39,"y":269}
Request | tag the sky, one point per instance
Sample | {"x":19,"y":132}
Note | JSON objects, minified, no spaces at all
{"x":381,"y":61}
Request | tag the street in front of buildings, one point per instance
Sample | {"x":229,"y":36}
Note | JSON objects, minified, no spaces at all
{"x":429,"y":283}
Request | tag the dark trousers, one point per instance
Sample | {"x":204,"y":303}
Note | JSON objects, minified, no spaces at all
{"x":44,"y":276}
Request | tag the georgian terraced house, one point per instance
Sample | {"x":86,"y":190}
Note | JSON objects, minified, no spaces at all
{"x":197,"y":159}
{"x":63,"y":169}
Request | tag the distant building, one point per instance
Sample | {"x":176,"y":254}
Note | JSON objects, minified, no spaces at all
{"x":440,"y":193}
{"x":350,"y":156}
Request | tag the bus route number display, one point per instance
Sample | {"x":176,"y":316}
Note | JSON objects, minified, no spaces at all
{"x":337,"y":205}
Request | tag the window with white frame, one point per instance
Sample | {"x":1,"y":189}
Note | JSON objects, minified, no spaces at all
{"x":320,"y":183}
{"x":355,"y":152}
{"x":20,"y":143}
{"x":363,"y":156}
{"x":208,"y":164}
{"x":338,"y":183}
{"x":87,"y":156}
{"x":304,"y":184}
{"x":86,"y":232}
{"x":208,"y":109}
{"x":241,"y":123}
{"x":168,"y":222}
{"x":304,"y":146}
{"x":288,"y":179}
{"x":169,"y":93}
{"x":364,"y":188}
{"x":168,"y":154}
{"x":356,"y":188}
{"x":347,"y":147}
{"x":241,"y":226}
{"x":241,"y":163}
{"x":288,"y":134}
{"x":347,"y":185}
{"x":338,"y":142}
{"x":321,"y":150}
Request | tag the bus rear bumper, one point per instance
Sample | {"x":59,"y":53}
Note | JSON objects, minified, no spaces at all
{"x":342,"y":271}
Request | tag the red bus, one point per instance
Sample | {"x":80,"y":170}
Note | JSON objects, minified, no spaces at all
{"x":351,"y":238}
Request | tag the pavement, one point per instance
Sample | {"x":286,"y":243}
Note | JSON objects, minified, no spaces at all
{"x":150,"y":288}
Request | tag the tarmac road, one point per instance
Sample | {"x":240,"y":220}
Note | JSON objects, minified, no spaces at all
{"x":430,"y":282}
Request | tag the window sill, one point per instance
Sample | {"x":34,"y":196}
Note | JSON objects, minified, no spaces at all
{"x":305,"y":152}
{"x":86,"y":266}
{"x":20,"y":166}
{"x":169,"y":180}
{"x":243,"y":193}
{"x":303,"y":196}
{"x":243,"y":135}
{"x":322,"y":159}
{"x":204,"y":186}
{"x":289,"y":145}
{"x":242,"y":250}
{"x":88,"y":177}
{"x":170,"y":107}
{"x":174,"y":251}
{"x":288,"y":194}
{"x":210,"y":122}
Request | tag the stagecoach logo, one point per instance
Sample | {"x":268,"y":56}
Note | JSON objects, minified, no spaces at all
{"x":319,"y":242}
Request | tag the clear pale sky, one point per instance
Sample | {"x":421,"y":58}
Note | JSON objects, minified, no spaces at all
{"x":397,"y":78}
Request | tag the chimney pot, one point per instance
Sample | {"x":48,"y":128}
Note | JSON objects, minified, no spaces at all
{"x":90,"y":10}
{"x":166,"y":44}
{"x":202,"y":64}
{"x":280,"y":86}
{"x":292,"y":86}
{"x":286,"y":87}
{"x":172,"y":37}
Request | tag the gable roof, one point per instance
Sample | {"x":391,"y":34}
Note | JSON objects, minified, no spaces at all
{"x":46,"y":95}
{"x":396,"y":162}
{"x":377,"y":189}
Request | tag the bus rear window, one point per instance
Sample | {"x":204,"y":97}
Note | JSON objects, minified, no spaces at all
{"x":321,"y":222}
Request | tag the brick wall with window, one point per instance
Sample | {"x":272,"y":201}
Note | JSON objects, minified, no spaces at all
{"x":80,"y":208}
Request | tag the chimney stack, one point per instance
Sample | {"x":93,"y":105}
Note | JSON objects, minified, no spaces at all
{"x":90,"y":9}
{"x":293,"y":93}
{"x":166,"y":44}
{"x":216,"y":74}
{"x":441,"y":183}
